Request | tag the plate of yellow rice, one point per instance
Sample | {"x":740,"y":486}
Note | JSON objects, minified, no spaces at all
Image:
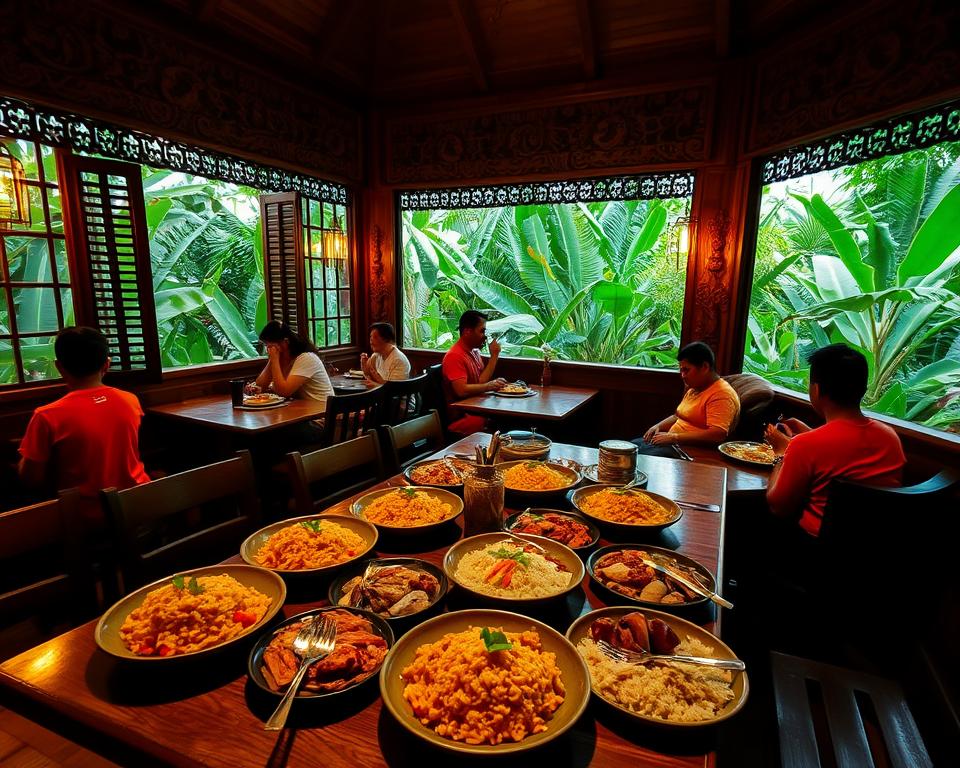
{"x":408,"y":509}
{"x":538,"y":478}
{"x":190,"y":613}
{"x":625,"y":512}
{"x":447,"y":685}
{"x":311,"y":544}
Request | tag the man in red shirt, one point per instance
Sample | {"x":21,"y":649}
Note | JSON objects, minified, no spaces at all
{"x":88,"y":439}
{"x":848,"y":446}
{"x":464,"y":373}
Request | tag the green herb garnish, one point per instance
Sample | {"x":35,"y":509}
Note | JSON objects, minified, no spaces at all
{"x":193,"y":585}
{"x":312,"y":525}
{"x":507,"y":554}
{"x":408,"y":492}
{"x":532,"y":464}
{"x":495,"y":641}
{"x":622,"y":491}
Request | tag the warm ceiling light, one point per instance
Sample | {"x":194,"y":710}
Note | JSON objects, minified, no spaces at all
{"x":684,"y":228}
{"x":335,"y":242}
{"x":14,"y":205}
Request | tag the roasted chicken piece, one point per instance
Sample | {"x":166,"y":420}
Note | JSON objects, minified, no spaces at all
{"x":634,"y":632}
{"x":392,"y":590}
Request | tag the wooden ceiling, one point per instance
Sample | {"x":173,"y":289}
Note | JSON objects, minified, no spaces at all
{"x":390,"y":51}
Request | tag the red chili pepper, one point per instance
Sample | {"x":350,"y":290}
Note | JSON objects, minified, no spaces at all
{"x":164,"y":650}
{"x":245,"y":618}
{"x":145,"y":650}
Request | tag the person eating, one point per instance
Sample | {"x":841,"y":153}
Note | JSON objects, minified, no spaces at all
{"x":387,"y":363}
{"x":294,"y":367}
{"x":464,"y":372}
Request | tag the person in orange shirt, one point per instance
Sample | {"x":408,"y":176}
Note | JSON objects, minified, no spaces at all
{"x":88,"y":439}
{"x":464,"y":373}
{"x":709,"y":408}
{"x":848,"y":446}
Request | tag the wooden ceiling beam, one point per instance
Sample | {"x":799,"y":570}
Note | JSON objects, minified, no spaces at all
{"x":331,"y":30}
{"x":722,"y":13}
{"x":469,"y":30}
{"x":588,"y":42}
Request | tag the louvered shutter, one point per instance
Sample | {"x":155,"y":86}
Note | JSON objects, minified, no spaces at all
{"x":109,"y":252}
{"x":283,"y":259}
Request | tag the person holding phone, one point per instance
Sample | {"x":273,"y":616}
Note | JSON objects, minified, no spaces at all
{"x":465,"y":374}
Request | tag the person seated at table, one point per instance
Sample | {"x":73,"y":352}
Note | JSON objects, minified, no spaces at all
{"x":88,"y":439}
{"x":849,"y":446}
{"x":707,"y":412}
{"x":387,"y":363}
{"x":464,"y":373}
{"x":294,"y":367}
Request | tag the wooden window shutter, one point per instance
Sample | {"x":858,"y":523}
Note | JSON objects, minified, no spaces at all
{"x":109,"y":252}
{"x":283,"y":259}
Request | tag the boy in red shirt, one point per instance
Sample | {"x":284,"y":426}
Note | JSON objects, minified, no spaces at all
{"x":89,"y":437}
{"x":848,"y":446}
{"x":464,"y":373}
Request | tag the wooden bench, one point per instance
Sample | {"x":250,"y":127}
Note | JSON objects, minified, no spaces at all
{"x":831,"y":716}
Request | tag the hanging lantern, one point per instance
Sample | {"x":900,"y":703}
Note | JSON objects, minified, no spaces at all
{"x":14,"y":204}
{"x":335,"y":242}
{"x":683,"y":230}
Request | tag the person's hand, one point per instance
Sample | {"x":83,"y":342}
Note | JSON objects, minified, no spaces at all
{"x":494,"y":346}
{"x":795,"y":426}
{"x":663,"y":438}
{"x":777,"y":439}
{"x":273,"y":353}
{"x":363,"y":361}
{"x":495,"y":384}
{"x":252,"y":389}
{"x":648,"y":435}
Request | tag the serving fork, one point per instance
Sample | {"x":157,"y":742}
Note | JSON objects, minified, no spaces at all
{"x":645,"y":657}
{"x":314,"y":641}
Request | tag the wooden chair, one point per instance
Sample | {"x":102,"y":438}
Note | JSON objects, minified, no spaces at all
{"x":852,"y":719}
{"x":349,"y":416}
{"x":357,"y":462}
{"x":188,"y":520}
{"x":404,"y":400}
{"x":414,"y":440}
{"x":44,"y":570}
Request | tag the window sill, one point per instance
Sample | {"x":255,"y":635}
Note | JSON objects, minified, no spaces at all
{"x":907,"y":428}
{"x":172,"y":374}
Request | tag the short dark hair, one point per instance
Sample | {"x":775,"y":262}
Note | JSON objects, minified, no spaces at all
{"x":274,"y":332}
{"x":471,"y":319}
{"x":697,"y":353}
{"x":385,"y":330}
{"x":840,"y":372}
{"x":81,"y":351}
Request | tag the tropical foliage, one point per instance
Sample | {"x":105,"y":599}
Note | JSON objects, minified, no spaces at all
{"x":207,"y":266}
{"x":866,"y":255}
{"x":597,"y":282}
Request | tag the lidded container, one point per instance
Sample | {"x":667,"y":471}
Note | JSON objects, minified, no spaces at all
{"x":520,"y":445}
{"x":482,"y":500}
{"x":617,"y":462}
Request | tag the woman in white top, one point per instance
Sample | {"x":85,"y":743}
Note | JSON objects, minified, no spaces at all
{"x":387,"y":363}
{"x":294,"y":367}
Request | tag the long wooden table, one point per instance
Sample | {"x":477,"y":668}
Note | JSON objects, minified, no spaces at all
{"x":549,"y":403}
{"x":207,"y":713}
{"x":217,"y":412}
{"x":741,"y":478}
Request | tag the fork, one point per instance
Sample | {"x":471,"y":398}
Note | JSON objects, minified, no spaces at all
{"x":645,"y":657}
{"x":312,"y":643}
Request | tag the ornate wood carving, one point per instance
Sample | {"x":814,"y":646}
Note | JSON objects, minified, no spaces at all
{"x":100,"y":64}
{"x":669,"y":127}
{"x":379,"y":289}
{"x":902,"y":54}
{"x":713,"y":291}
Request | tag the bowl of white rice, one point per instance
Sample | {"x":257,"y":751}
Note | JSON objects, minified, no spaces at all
{"x":671,"y":695}
{"x":513,"y":568}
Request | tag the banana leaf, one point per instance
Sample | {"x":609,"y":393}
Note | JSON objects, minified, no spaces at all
{"x":829,"y":309}
{"x":173,"y":302}
{"x":937,"y":238}
{"x":847,"y":248}
{"x":497,"y":295}
{"x":229,"y":319}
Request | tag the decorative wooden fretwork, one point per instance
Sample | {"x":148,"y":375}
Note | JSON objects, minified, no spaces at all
{"x":22,"y":120}
{"x":283,"y":259}
{"x":109,"y":256}
{"x":637,"y":187}
{"x":901,"y":134}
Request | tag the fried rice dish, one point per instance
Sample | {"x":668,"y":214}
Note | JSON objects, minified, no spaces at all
{"x":534,"y":476}
{"x":508,"y":569}
{"x":310,"y":544}
{"x":629,"y":507}
{"x":406,"y":508}
{"x":439,"y":473}
{"x":189,"y":614}
{"x":466,"y":693}
{"x":761,"y":452}
{"x":358,"y":654}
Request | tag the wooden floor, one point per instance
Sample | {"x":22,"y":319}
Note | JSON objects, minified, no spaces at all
{"x":24,"y":744}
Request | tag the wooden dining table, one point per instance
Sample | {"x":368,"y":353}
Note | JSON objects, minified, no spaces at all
{"x":196,"y":712}
{"x":742,"y":478}
{"x":554,"y":403}
{"x":217,"y":412}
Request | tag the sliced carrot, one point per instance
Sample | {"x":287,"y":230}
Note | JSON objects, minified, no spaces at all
{"x":508,"y":574}
{"x":496,"y":569}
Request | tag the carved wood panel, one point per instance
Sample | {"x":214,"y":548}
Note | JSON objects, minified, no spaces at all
{"x":669,"y":127}
{"x":902,"y":54}
{"x":102,"y":65}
